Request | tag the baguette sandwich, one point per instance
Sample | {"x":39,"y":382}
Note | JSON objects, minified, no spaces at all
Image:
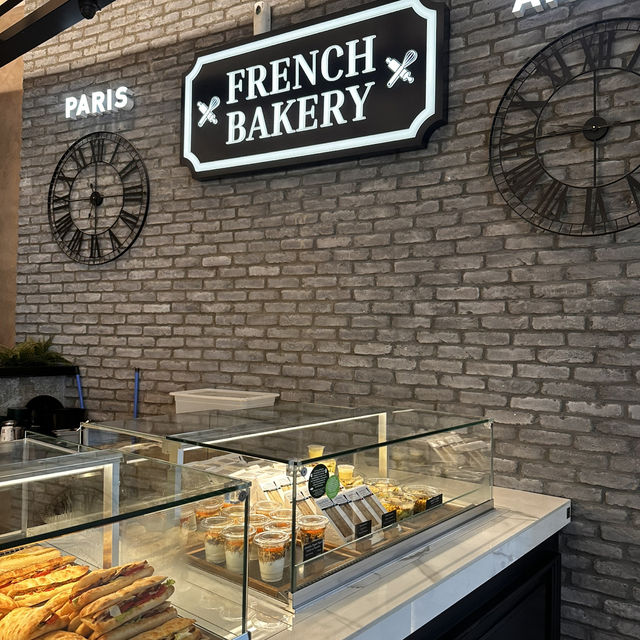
{"x":27,"y":623}
{"x":124,"y":605}
{"x":151,"y":619}
{"x":176,"y":629}
{"x":62,"y":635}
{"x":103,"y":582}
{"x":40,"y":567}
{"x":32,"y":591}
{"x":26,"y":557}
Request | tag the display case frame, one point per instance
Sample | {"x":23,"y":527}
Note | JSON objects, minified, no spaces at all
{"x":280,"y":435}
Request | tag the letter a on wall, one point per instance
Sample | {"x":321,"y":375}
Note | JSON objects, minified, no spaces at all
{"x":361,"y":82}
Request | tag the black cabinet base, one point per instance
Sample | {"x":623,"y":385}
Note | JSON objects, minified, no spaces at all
{"x":522,"y":602}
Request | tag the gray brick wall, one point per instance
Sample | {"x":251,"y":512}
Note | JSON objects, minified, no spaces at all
{"x":403,"y":276}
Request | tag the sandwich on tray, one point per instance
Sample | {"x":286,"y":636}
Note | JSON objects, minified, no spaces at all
{"x":38,"y":566}
{"x":98,"y":584}
{"x":26,"y":556}
{"x":43,"y":587}
{"x":129,"y":611}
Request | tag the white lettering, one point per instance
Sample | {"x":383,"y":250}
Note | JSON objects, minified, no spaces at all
{"x":520,"y":6}
{"x":97,"y":103}
{"x":234,"y":84}
{"x":83,"y":107}
{"x":329,"y":109}
{"x":70,"y":105}
{"x":258,"y":124}
{"x":280,"y":118}
{"x":309,"y":71}
{"x":307,"y":111}
{"x":324,"y":63}
{"x":278,"y":74}
{"x":358,"y":100}
{"x":257,"y":75}
{"x":236,"y":131}
{"x":354,"y":57}
{"x":123,"y":99}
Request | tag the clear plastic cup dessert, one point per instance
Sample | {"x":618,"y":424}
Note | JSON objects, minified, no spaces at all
{"x":208,"y":508}
{"x":281,"y":525}
{"x":330,"y":463}
{"x":233,"y":536}
{"x":258,"y":521}
{"x":312,"y":528}
{"x":345,"y":473}
{"x":234,"y":513}
{"x":272,"y":547}
{"x":265,"y":507}
{"x":315,"y":450}
{"x":212,"y":529}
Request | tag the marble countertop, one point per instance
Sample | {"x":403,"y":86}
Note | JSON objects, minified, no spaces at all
{"x":394,"y":601}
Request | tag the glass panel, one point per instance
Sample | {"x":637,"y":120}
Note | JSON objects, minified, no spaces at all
{"x":16,"y":452}
{"x":291,"y":427}
{"x":105,"y":508}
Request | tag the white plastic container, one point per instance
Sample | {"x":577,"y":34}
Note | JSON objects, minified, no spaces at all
{"x":224,"y":399}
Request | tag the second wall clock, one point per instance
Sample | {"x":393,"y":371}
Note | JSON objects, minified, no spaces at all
{"x":565,"y":143}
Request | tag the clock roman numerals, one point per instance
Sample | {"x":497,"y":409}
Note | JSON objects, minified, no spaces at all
{"x":597,"y":51}
{"x":130,"y":219}
{"x":132,"y":194}
{"x":94,"y":250}
{"x":634,"y":59}
{"x":519,"y":103}
{"x":595,"y":212}
{"x":66,"y":179}
{"x":61,"y":202}
{"x":518,"y":144}
{"x":523,"y":177}
{"x":130,"y":166}
{"x":78,"y":157}
{"x":634,"y":186}
{"x":556,"y":69}
{"x":115,"y":241}
{"x":97,"y":150}
{"x":75,"y":244}
{"x":63,"y":225}
{"x":552,"y":203}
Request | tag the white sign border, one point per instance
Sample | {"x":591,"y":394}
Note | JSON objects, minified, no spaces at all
{"x":430,"y":16}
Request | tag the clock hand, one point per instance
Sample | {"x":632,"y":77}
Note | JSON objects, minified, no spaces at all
{"x":566,"y":132}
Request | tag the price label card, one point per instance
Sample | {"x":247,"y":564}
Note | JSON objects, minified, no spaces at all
{"x":389,"y":518}
{"x":363,"y":528}
{"x":434,"y":502}
{"x":312,"y":549}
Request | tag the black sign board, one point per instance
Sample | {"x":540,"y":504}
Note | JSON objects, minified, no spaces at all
{"x":318,"y":481}
{"x":360,"y":82}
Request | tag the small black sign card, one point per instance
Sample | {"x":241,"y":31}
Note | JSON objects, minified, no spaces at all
{"x":363,"y":81}
{"x":312,"y":549}
{"x":389,"y":518}
{"x":363,"y":528}
{"x":318,"y":481}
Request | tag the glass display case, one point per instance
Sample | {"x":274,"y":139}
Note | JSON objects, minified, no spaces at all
{"x":335,"y":491}
{"x":65,"y":519}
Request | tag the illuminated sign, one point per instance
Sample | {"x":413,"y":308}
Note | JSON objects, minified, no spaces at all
{"x":98,"y":102}
{"x":520,"y":6}
{"x":360,"y":82}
